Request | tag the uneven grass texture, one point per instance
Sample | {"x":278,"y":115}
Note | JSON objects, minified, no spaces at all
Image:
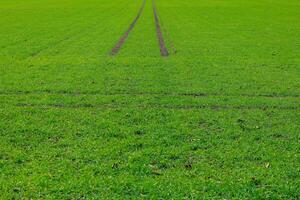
{"x":216,"y":119}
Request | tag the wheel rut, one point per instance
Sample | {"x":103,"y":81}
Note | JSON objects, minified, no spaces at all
{"x":123,"y":38}
{"x":162,"y":45}
{"x":161,"y":42}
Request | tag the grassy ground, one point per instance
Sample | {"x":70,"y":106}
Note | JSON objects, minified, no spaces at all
{"x":217,"y":119}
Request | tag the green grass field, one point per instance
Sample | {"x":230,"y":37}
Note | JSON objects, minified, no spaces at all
{"x":219,"y":118}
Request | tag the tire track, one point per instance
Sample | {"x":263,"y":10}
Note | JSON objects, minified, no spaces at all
{"x":155,"y":106}
{"x":122,"y":40}
{"x":162,"y":46}
{"x":167,"y":35}
{"x":136,"y":93}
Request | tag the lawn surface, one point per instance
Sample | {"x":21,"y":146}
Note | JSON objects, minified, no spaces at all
{"x":217,"y":119}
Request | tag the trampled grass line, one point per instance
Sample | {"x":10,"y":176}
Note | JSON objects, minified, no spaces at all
{"x":195,"y":95}
{"x":156,"y":106}
{"x":22,"y":40}
{"x":167,"y":34}
{"x":162,"y":46}
{"x":37,"y":53}
{"x":77,"y":34}
{"x":122,"y":40}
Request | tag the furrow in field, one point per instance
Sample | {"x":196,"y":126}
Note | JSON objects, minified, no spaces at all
{"x":158,"y":106}
{"x":73,"y":36}
{"x":167,"y":35}
{"x":163,"y":49}
{"x":199,"y":95}
{"x":122,"y":40}
{"x":157,"y":100}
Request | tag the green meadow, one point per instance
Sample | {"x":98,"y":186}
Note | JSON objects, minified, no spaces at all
{"x":218,"y":118}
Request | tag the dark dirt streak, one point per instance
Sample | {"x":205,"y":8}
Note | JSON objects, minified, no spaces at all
{"x":241,"y":95}
{"x":163,"y":49}
{"x":156,"y":106}
{"x":122,"y":40}
{"x":163,"y":94}
{"x":167,"y":34}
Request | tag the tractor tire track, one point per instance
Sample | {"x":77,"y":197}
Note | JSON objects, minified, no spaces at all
{"x":167,"y":35}
{"x":136,"y":93}
{"x":163,"y":49}
{"x":122,"y":40}
{"x":155,"y":106}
